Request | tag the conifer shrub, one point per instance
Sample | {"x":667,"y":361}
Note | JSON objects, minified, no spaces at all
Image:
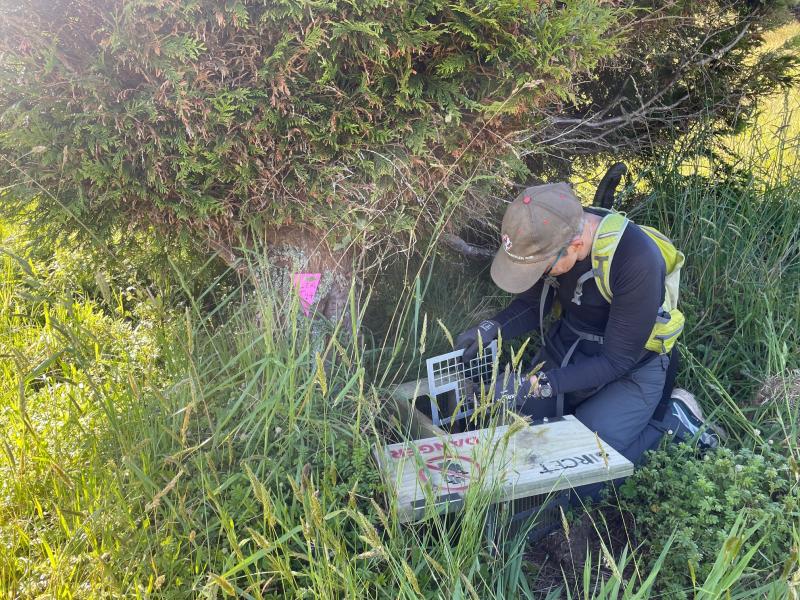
{"x":357,"y":119}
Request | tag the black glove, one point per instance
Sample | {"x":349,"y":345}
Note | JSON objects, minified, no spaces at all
{"x":468,"y":340}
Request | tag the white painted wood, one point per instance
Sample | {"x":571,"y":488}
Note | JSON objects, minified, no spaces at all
{"x":522,"y":459}
{"x":401,"y":401}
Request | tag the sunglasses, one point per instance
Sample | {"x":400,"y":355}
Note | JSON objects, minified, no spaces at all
{"x":558,"y":257}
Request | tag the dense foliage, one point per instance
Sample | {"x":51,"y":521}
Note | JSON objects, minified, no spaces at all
{"x":361,"y":119}
{"x":160,"y":438}
{"x":699,"y":501}
{"x":349,"y":116}
{"x":683,"y":62}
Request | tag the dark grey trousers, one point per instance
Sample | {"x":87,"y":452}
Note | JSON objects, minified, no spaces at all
{"x":621,"y":412}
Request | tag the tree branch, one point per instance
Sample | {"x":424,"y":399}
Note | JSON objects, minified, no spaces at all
{"x":467,"y":249}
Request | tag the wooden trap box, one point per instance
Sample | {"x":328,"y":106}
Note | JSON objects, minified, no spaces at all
{"x":526,"y":462}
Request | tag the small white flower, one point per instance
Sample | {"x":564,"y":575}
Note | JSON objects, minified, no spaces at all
{"x":757,"y":432}
{"x":738,"y":468}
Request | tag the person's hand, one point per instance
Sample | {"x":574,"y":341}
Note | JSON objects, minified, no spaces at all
{"x":534,"y":390}
{"x":470,"y":340}
{"x":540,"y":386}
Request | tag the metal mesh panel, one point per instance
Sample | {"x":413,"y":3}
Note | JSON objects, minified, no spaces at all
{"x":449,"y":378}
{"x":536,"y":516}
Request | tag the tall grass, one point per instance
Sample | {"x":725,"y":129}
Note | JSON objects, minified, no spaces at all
{"x":228,"y":454}
{"x":66,"y":368}
{"x":741,"y":285}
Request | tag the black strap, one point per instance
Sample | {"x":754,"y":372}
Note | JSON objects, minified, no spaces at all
{"x":669,"y":384}
{"x":604,"y":196}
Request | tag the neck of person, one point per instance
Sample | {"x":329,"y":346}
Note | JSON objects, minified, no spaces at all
{"x":592,"y":222}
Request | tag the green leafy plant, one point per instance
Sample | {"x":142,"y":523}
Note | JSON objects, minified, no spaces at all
{"x":695,"y":503}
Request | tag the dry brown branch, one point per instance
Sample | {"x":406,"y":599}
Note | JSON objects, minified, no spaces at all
{"x":617,"y":126}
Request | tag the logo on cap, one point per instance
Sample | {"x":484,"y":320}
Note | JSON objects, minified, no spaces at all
{"x":506,"y":242}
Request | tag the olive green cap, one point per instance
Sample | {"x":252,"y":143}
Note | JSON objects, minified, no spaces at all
{"x":537,"y":225}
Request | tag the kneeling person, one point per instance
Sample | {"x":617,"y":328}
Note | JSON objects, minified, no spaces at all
{"x":606,"y":357}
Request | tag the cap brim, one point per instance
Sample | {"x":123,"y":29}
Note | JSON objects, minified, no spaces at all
{"x":516,"y":277}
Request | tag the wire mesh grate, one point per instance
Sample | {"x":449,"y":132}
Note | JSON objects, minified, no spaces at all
{"x":449,"y":378}
{"x":535,"y":516}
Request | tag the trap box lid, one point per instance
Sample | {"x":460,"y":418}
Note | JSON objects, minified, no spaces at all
{"x":534,"y":459}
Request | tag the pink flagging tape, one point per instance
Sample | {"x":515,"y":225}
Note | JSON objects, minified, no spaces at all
{"x":306,"y":285}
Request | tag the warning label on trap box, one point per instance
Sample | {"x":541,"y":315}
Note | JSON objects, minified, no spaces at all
{"x":449,"y":473}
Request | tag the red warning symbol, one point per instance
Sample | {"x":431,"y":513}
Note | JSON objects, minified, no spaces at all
{"x":450,"y":473}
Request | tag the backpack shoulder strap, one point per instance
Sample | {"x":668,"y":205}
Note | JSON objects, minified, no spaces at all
{"x":606,"y":240}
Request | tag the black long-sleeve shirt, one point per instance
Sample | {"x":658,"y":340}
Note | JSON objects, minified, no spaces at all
{"x":637,"y":287}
